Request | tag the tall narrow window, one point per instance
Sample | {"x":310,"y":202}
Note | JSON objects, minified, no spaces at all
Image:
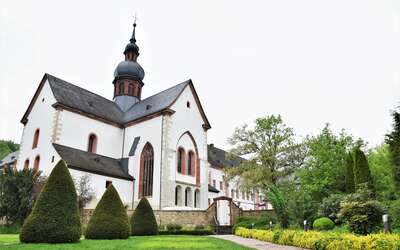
{"x":26,"y":164}
{"x":191,"y":162}
{"x":181,"y":160}
{"x":121,"y":88}
{"x":197,"y":198}
{"x":178,"y":196}
{"x":36,"y":138}
{"x":92,"y":143}
{"x":36,"y":164}
{"x":130,"y":89}
{"x":188,"y":197}
{"x":146,"y":171}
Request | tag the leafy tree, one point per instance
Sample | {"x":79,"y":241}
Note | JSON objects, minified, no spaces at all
{"x":381,"y":171}
{"x":330,"y":207}
{"x":109,"y":220}
{"x":362,"y":174}
{"x":323,"y":172}
{"x":143,"y":221}
{"x":7,"y":147}
{"x":18,"y":191}
{"x":55,"y":215}
{"x":349,"y":177}
{"x":393,"y":140}
{"x":279,"y":204}
{"x":271,"y":149}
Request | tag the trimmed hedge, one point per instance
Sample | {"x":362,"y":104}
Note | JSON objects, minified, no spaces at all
{"x":318,"y":240}
{"x":143,"y":221}
{"x":55,"y":215}
{"x":109,"y":219}
{"x":323,"y":223}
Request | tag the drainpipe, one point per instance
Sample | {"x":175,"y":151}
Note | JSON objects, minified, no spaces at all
{"x":161,"y":158}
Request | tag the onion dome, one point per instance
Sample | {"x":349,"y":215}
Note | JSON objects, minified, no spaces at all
{"x":130,"y":69}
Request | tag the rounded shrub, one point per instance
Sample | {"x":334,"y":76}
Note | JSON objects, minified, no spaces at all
{"x":143,"y":221}
{"x":323,"y":223}
{"x":109,"y":219}
{"x":55,"y":215}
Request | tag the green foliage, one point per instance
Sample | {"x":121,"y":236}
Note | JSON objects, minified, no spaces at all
{"x":174,"y":227}
{"x":323,"y":223}
{"x":362,"y":174}
{"x":187,"y":232}
{"x":393,"y":140}
{"x":55,"y":215}
{"x":349,"y":177}
{"x":259,"y":223}
{"x":4,"y":229}
{"x":381,"y":171}
{"x":18,"y":191}
{"x":330,"y":207}
{"x":7,"y":147}
{"x":109,"y":220}
{"x":319,"y":240}
{"x":272,"y":149}
{"x":323,"y":172}
{"x":275,"y":196}
{"x":361,"y":212}
{"x":394,"y":212}
{"x":143,"y":221}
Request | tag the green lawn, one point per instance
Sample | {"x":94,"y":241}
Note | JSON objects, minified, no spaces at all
{"x":143,"y":242}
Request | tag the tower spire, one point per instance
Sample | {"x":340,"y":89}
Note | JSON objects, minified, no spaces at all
{"x":133,"y":38}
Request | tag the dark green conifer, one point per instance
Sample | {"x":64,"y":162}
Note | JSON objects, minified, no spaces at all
{"x":143,"y":221}
{"x":362,"y":173}
{"x":349,"y":177}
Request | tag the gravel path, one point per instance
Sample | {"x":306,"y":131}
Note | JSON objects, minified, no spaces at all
{"x":256,"y":244}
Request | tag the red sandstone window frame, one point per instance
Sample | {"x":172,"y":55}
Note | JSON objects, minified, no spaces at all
{"x":36,"y":138}
{"x":26,"y":164}
{"x":191,"y":165}
{"x":36,"y":164}
{"x":146,"y":171}
{"x":181,"y":161}
{"x":92,"y":143}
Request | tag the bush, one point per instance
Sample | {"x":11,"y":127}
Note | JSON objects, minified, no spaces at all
{"x":174,"y":227}
{"x":187,"y":232}
{"x":256,"y":223}
{"x":394,"y":212}
{"x":4,"y":229}
{"x":318,"y":240}
{"x":323,"y":223}
{"x":109,"y":220}
{"x":55,"y":215}
{"x":143,"y":221}
{"x":330,"y":207}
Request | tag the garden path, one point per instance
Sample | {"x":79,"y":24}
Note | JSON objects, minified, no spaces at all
{"x":256,"y":244}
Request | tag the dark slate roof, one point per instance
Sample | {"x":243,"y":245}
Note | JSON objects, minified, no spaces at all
{"x":73,"y":96}
{"x":220,"y":158}
{"x":134,"y":146}
{"x":154,"y":103}
{"x":212,"y":189}
{"x":92,"y":163}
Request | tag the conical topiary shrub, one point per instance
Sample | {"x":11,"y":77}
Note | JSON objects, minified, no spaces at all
{"x":55,"y":216}
{"x":109,"y":220}
{"x":143,"y":221}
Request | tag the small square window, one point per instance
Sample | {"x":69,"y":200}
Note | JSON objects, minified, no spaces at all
{"x":108,"y":183}
{"x":188,"y":104}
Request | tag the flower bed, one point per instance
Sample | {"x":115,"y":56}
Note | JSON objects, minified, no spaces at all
{"x":324,"y":240}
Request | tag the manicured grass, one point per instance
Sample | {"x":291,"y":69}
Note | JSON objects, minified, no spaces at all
{"x":139,"y":242}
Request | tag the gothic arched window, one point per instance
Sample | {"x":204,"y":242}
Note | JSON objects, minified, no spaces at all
{"x":197,"y":198}
{"x":121,"y":88}
{"x":92,"y":143}
{"x":26,"y":164}
{"x":191,"y":161}
{"x":181,"y":161}
{"x":178,"y":196}
{"x":36,"y":164}
{"x":36,"y":139}
{"x":146,"y":171}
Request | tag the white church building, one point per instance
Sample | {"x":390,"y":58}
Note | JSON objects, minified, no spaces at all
{"x":154,"y":147}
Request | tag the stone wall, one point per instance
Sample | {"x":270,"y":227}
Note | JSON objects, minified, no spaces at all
{"x":256,"y":213}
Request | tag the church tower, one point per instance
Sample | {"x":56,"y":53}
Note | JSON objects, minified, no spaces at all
{"x":128,"y":76}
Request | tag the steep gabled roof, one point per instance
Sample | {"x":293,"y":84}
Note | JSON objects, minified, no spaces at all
{"x":74,"y":98}
{"x":212,"y":189}
{"x":220,"y":158}
{"x":92,"y":163}
{"x":10,"y":158}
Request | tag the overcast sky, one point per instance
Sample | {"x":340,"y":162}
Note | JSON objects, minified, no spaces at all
{"x":313,"y":62}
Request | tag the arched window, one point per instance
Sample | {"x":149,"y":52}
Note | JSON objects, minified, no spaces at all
{"x":26,"y":164}
{"x":181,"y":161}
{"x":146,"y":171}
{"x":36,"y":164}
{"x":130,"y":89}
{"x":36,"y":138}
{"x":121,"y":88}
{"x":191,"y":162}
{"x":178,"y":196}
{"x":92,"y":144}
{"x":188,"y":197}
{"x":197,"y":198}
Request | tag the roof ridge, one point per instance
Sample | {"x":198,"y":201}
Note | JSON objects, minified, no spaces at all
{"x":76,"y":86}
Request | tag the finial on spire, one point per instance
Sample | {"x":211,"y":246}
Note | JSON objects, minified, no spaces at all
{"x":133,"y":38}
